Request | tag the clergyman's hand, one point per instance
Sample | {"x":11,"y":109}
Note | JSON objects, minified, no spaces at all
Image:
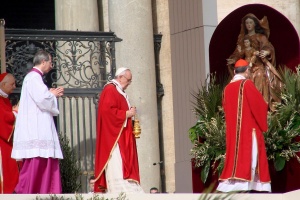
{"x":15,"y":108}
{"x":131,"y":112}
{"x":58,"y":92}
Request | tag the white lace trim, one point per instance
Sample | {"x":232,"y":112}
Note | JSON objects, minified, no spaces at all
{"x":36,"y":144}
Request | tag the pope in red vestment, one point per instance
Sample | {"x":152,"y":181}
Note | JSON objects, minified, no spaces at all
{"x":114,"y":127}
{"x":9,"y":173}
{"x":246,"y":120}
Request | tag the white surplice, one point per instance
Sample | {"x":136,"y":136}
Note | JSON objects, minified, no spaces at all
{"x":35,"y":132}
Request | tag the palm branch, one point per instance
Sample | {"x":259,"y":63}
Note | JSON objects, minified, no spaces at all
{"x":208,"y":134}
{"x":284,"y":121}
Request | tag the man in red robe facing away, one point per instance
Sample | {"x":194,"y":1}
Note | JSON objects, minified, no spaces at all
{"x":116,"y":160}
{"x":9,"y":172}
{"x":246,"y":165}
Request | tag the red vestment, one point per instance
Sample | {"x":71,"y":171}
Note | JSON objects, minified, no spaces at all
{"x":245,"y":114}
{"x":9,"y":165}
{"x":111,"y":117}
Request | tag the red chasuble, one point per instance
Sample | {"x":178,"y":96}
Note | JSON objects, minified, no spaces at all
{"x":9,"y":166}
{"x":245,"y":114}
{"x":110,"y":131}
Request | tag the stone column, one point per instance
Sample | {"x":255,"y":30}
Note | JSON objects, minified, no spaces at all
{"x":77,"y":117}
{"x":76,"y":15}
{"x":131,"y":20}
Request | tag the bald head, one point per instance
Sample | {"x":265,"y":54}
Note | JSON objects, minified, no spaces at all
{"x":8,"y":84}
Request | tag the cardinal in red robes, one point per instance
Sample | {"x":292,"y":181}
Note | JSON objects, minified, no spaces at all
{"x":116,"y":159}
{"x":9,"y":172}
{"x":246,"y":166}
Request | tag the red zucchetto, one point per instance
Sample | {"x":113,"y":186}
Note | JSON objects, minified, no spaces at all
{"x":241,"y":63}
{"x":2,"y":76}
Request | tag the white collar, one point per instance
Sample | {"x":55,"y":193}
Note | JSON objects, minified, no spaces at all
{"x":120,"y":90}
{"x":237,"y":77}
{"x":118,"y":85}
{"x":3,"y":94}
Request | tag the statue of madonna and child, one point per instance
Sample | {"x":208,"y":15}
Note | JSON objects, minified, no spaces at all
{"x":254,"y":46}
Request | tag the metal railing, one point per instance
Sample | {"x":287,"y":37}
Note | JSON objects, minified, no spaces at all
{"x":83,"y":63}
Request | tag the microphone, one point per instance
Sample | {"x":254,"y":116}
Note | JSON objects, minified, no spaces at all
{"x":158,"y":163}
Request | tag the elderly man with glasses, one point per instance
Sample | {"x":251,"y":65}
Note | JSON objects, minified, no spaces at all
{"x":116,"y":160}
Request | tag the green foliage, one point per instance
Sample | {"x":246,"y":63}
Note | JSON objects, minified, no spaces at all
{"x":55,"y":197}
{"x":208,"y":134}
{"x":284,"y":122}
{"x":122,"y":196}
{"x":207,"y":105}
{"x":69,"y":168}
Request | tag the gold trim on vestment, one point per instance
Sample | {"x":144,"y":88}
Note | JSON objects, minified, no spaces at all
{"x":110,"y":154}
{"x":97,"y":178}
{"x":238,"y":125}
{"x":241,"y":179}
{"x":236,"y":178}
{"x":12,"y":132}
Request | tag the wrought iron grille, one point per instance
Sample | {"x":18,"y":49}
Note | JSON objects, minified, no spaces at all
{"x":83,"y":63}
{"x":75,"y":55}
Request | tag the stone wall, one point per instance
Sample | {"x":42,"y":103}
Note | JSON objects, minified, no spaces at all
{"x":289,"y":8}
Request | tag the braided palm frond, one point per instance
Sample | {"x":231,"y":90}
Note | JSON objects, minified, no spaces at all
{"x":212,"y":148}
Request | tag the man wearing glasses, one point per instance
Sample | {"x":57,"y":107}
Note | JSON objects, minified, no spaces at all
{"x":116,"y":160}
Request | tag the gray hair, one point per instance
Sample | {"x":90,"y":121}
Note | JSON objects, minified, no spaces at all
{"x":241,"y":69}
{"x":40,"y":56}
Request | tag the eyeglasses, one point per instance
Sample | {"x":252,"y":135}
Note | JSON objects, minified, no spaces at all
{"x":129,"y":80}
{"x":50,"y":62}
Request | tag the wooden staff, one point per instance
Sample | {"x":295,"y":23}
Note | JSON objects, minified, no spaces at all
{"x":2,"y":46}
